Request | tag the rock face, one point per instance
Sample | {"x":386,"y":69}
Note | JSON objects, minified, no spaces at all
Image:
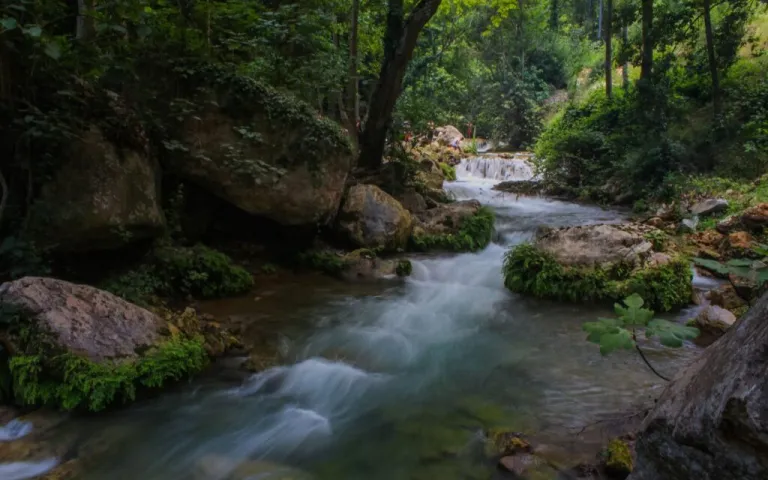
{"x":266,"y":154}
{"x":413,"y":201}
{"x":711,"y":423}
{"x":596,"y":244}
{"x":710,"y":206}
{"x":371,"y":218}
{"x":103,"y":197}
{"x":82,"y":319}
{"x":447,"y":135}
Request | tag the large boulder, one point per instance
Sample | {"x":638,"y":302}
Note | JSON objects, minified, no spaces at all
{"x":102,"y":197}
{"x":597,"y":244}
{"x":600,"y":262}
{"x":74,"y":346}
{"x":265,"y":153}
{"x":446,"y":218}
{"x":711,"y":422}
{"x":709,"y":206}
{"x":371,"y":218}
{"x":714,"y":320}
{"x":457,"y":226}
{"x":447,"y":135}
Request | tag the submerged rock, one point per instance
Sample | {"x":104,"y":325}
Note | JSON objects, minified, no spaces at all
{"x":709,"y":206}
{"x":710,"y":422}
{"x":103,"y":197}
{"x":371,"y":218}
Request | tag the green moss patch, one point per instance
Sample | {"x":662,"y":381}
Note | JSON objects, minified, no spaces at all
{"x":69,"y":382}
{"x":198,"y":271}
{"x":449,"y":172}
{"x":530,"y":271}
{"x":618,"y":458}
{"x":475,"y":234}
{"x":404,"y":268}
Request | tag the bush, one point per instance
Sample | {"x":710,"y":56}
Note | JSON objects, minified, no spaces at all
{"x":475,"y":234}
{"x":449,"y":172}
{"x":529,"y":270}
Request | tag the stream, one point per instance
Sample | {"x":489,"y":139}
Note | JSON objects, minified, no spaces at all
{"x":396,"y":379}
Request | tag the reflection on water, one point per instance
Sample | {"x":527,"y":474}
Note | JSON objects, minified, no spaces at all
{"x":392,"y":381}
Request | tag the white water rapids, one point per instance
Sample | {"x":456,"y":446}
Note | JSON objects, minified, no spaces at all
{"x":379,"y":378}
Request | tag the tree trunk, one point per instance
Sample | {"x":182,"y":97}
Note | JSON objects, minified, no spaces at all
{"x":711,"y":56}
{"x":554,"y":15}
{"x":625,"y":67}
{"x":85,"y":21}
{"x":399,"y":43}
{"x":607,"y":18}
{"x":646,"y":67}
{"x":600,"y":17}
{"x":353,"y":93}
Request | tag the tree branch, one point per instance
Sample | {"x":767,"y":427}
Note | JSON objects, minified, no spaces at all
{"x":642,"y":355}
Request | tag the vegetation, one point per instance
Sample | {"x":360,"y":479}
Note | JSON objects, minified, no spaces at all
{"x":531,"y":271}
{"x":475,"y":234}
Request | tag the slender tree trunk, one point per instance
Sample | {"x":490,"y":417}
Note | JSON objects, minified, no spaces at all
{"x":711,"y":56}
{"x":600,"y":17}
{"x":399,"y":43}
{"x":646,"y":66}
{"x":353,"y":93}
{"x":85,"y":21}
{"x":607,"y":18}
{"x":625,"y":67}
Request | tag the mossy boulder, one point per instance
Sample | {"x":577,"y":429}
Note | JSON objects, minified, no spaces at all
{"x":459,"y":227}
{"x":371,"y":218}
{"x":76,"y":347}
{"x":264,"y":152}
{"x":611,"y":264}
{"x":103,"y":196}
{"x":617,"y":459}
{"x":360,"y":264}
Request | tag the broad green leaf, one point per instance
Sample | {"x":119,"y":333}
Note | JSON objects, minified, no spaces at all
{"x":670,"y":334}
{"x":8,"y":23}
{"x":712,"y":265}
{"x":615,"y":341}
{"x":739,"y":262}
{"x":53,"y":50}
{"x":33,"y":31}
{"x":633,"y":314}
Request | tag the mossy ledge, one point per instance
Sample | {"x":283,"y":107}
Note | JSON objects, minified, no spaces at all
{"x":528,"y":270}
{"x":475,"y":234}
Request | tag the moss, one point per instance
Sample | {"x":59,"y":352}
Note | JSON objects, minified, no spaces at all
{"x":500,"y":443}
{"x":449,"y":172}
{"x":404,"y":268}
{"x":475,"y":234}
{"x":323,"y":261}
{"x":618,"y":458}
{"x":199,"y":271}
{"x":68,"y":382}
{"x":528,"y":270}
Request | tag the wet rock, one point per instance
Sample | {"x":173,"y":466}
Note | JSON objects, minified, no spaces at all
{"x":83,"y":319}
{"x":725,"y":296}
{"x":597,"y":244}
{"x":755,"y":217}
{"x":103,"y":197}
{"x":360,"y":266}
{"x":688,"y":225}
{"x":500,"y":443}
{"x":714,"y":320}
{"x":710,"y":422}
{"x":217,"y":339}
{"x":709,"y":206}
{"x":413,"y":201}
{"x":728,"y":224}
{"x":519,"y":464}
{"x":371,"y":218}
{"x":656,"y":222}
{"x":447,"y":218}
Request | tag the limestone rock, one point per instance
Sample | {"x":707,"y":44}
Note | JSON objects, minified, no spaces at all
{"x":447,"y":135}
{"x":725,"y":296}
{"x":103,"y":197}
{"x":413,"y":201}
{"x":709,"y":206}
{"x":755,"y":217}
{"x":446,"y":218}
{"x":371,"y":218}
{"x":82,"y":319}
{"x":728,"y":224}
{"x":597,"y":244}
{"x":266,"y":154}
{"x":715,"y":320}
{"x":710,"y":422}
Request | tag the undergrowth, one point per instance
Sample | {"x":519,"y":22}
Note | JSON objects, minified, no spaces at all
{"x":475,"y":234}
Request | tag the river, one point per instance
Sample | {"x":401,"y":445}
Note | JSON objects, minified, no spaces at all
{"x":396,"y":379}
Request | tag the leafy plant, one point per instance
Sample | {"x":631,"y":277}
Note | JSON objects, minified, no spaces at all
{"x":474,"y":234}
{"x":621,"y":332}
{"x":753,"y":270}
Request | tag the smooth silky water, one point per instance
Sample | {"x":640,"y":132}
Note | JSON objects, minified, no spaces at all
{"x":395,"y":380}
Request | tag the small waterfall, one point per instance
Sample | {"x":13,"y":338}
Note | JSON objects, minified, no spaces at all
{"x":496,"y":168}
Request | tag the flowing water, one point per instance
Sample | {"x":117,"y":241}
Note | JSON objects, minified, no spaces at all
{"x":394,"y":380}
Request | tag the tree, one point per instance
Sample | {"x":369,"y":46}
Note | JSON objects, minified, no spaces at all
{"x":711,"y":57}
{"x":608,"y":19}
{"x":399,"y":43}
{"x":646,"y":66}
{"x":353,"y":95}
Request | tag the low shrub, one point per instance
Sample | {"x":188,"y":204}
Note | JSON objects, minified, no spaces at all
{"x":474,"y":234}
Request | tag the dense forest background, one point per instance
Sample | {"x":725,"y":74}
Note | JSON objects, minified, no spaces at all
{"x":622,"y":102}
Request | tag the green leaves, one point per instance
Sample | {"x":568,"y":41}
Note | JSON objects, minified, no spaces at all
{"x":8,"y":23}
{"x":618,"y":333}
{"x":670,"y":334}
{"x":754,"y":270}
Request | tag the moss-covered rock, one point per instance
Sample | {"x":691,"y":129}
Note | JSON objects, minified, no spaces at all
{"x":618,"y":459}
{"x":371,"y":218}
{"x":664,"y":286}
{"x":457,"y":227}
{"x":76,"y":347}
{"x":360,"y":264}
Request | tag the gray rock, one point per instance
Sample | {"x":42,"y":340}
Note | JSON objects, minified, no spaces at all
{"x":688,"y":225}
{"x":597,"y":244}
{"x":371,"y":218}
{"x":711,"y":422}
{"x":714,"y":319}
{"x":709,"y":206}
